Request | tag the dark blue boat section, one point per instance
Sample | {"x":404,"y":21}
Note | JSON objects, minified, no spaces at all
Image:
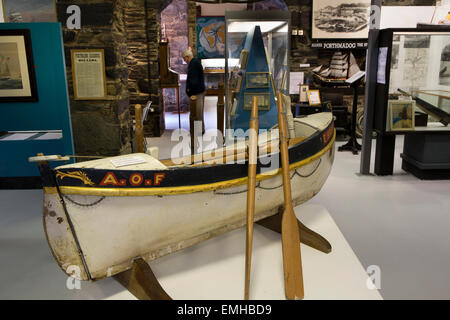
{"x":182,"y":176}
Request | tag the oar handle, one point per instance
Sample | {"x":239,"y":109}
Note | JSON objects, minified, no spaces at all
{"x":284,"y":150}
{"x":252,"y":163}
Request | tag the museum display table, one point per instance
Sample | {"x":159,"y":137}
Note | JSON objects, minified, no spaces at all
{"x":213,"y":269}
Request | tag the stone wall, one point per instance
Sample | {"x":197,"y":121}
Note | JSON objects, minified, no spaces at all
{"x":192,"y":31}
{"x":100,"y":127}
{"x":142,"y":19}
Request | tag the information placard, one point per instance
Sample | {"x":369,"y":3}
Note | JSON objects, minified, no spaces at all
{"x":88,"y":72}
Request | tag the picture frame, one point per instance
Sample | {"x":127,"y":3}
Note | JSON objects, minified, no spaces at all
{"x":263,"y":100}
{"x":22,"y":11}
{"x":88,"y":74}
{"x":257,"y":80}
{"x":303,"y":93}
{"x":314,"y":97}
{"x":17,"y":70}
{"x":340,"y":19}
{"x":401,"y":115}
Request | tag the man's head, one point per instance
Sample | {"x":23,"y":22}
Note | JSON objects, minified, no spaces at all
{"x":187,"y":56}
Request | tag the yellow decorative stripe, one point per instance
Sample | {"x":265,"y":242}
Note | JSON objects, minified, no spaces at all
{"x":137,"y":192}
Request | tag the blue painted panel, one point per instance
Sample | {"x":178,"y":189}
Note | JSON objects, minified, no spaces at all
{"x":51,"y":112}
{"x":256,"y":62}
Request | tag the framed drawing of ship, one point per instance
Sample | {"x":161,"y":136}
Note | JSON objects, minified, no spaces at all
{"x":17,"y":77}
{"x":258,"y":80}
{"x":340,"y":19}
{"x":29,"y":11}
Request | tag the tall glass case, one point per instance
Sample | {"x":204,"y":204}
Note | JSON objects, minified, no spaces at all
{"x":258,"y":68}
{"x":413,"y":81}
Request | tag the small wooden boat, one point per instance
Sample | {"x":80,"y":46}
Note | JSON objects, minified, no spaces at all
{"x":100,"y":218}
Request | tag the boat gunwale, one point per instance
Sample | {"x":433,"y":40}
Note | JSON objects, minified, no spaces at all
{"x":161,"y":191}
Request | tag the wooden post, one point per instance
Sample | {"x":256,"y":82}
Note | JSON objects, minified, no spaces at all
{"x":139,"y":129}
{"x":192,"y":117}
{"x":220,"y":107}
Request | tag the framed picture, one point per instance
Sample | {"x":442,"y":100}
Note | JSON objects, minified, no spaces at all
{"x":314,"y":97}
{"x":263,"y":101}
{"x":29,"y":11}
{"x":210,"y":37}
{"x":303,"y":93}
{"x":88,"y":74}
{"x":17,"y":75}
{"x":340,"y":19}
{"x":257,"y":79}
{"x":401,"y":115}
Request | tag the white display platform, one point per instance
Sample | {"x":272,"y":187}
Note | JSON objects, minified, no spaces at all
{"x":213,"y":269}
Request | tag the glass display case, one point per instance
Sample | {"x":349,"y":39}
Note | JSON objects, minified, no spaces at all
{"x":254,"y":67}
{"x":412,"y":98}
{"x":214,"y":71}
{"x":414,"y":65}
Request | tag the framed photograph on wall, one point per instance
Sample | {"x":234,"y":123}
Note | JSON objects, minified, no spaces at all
{"x":29,"y":11}
{"x":314,"y":97}
{"x":17,"y":75}
{"x":340,"y":19}
{"x":88,"y":74}
{"x":303,"y":93}
{"x":401,"y":115}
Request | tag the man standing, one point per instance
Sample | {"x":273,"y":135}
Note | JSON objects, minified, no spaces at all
{"x":195,"y":85}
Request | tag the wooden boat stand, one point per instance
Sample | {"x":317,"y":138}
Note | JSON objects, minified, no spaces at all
{"x":141,"y":282}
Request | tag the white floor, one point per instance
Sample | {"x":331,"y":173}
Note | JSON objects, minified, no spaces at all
{"x":399,"y":223}
{"x":215,"y":268}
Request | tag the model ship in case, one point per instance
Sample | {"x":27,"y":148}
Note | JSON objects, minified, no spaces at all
{"x":341,"y":67}
{"x":101,"y":218}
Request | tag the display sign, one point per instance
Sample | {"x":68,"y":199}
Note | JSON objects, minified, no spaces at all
{"x":88,"y":72}
{"x":296,"y":79}
{"x":350,"y":45}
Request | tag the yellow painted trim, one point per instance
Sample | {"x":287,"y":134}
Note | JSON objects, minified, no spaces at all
{"x":137,"y":192}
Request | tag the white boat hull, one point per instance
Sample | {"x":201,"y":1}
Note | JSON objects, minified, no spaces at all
{"x":112,"y":231}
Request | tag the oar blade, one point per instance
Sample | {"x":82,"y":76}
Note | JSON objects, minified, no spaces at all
{"x":292,"y":261}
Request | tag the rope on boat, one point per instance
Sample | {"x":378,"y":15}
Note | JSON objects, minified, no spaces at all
{"x":84,"y":204}
{"x":273,"y":188}
{"x":309,"y":175}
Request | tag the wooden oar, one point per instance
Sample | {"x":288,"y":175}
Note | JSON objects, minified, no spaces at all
{"x":290,"y":237}
{"x":252,"y":162}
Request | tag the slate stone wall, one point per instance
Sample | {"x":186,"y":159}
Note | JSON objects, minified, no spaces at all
{"x":100,"y":127}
